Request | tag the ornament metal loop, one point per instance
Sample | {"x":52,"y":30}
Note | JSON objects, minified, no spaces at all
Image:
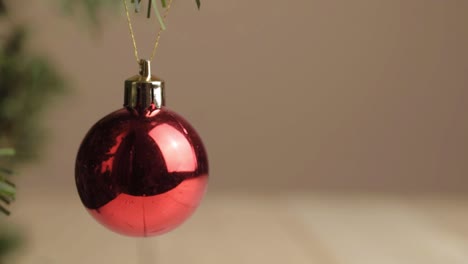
{"x":144,"y":91}
{"x":145,"y":69}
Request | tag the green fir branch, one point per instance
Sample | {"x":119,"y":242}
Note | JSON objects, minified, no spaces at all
{"x":7,"y":188}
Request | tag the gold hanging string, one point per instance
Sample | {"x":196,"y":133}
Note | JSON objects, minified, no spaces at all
{"x":158,"y":37}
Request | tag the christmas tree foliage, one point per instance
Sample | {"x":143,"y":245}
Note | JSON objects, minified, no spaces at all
{"x":27,"y":82}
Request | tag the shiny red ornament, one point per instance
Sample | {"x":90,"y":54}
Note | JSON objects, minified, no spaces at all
{"x":142,"y":170}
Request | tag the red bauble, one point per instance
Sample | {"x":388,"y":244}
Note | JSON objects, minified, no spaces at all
{"x":142,"y":170}
{"x":141,"y":174}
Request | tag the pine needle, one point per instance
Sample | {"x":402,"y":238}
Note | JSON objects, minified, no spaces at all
{"x":158,"y":15}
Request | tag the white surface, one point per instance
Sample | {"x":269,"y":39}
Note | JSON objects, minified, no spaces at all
{"x":237,"y":228}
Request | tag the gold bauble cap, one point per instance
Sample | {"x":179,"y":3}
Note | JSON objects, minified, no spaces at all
{"x":144,"y":91}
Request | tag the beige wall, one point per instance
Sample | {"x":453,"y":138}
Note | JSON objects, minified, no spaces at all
{"x":309,"y":94}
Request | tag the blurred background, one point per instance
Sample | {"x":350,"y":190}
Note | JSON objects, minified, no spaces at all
{"x":336,"y":130}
